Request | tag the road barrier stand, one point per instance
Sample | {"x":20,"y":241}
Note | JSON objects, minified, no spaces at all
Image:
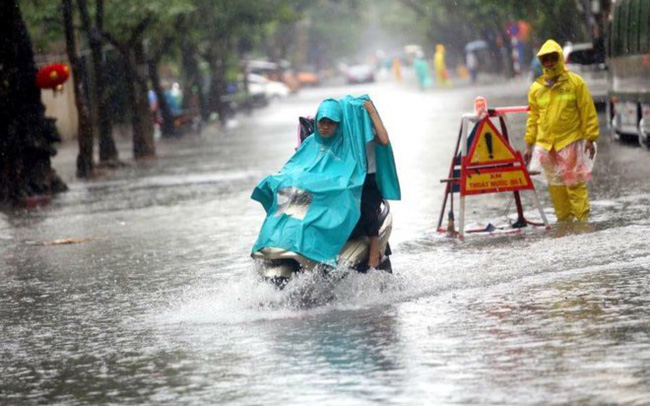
{"x":485,"y":162}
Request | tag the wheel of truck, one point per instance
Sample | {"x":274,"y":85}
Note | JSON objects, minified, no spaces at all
{"x":614,"y":122}
{"x":615,"y":135}
{"x":643,"y":136}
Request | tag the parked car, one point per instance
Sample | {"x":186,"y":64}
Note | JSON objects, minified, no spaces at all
{"x":270,"y":88}
{"x":276,"y":72}
{"x":236,"y":99}
{"x":585,"y":61}
{"x":360,"y":74}
{"x":307,"y":77}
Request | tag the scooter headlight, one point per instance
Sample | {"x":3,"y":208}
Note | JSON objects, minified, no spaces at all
{"x":293,"y":202}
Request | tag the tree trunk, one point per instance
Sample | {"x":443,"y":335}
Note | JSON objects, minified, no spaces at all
{"x":143,"y":142}
{"x":509,"y":63}
{"x":135,"y":65}
{"x":108,"y":153}
{"x":216,"y":61}
{"x":193,"y":78}
{"x":501,"y":50}
{"x":84,"y":118}
{"x":26,"y":136}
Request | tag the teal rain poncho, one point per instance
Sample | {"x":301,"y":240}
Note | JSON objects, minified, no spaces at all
{"x":313,"y":203}
{"x":422,"y":73}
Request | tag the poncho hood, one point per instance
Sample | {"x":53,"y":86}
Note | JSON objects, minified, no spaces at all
{"x":332,"y":110}
{"x":551,"y":47}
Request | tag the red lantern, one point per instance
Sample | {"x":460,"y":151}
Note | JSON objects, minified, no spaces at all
{"x":52,"y":76}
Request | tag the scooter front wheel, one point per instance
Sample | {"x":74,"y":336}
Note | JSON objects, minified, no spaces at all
{"x":386,"y":265}
{"x":278,"y":281}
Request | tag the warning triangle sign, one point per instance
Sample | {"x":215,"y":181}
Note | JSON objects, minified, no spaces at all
{"x":492,"y":166}
{"x":489,"y":146}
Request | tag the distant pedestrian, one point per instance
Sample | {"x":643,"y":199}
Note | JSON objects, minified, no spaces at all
{"x":397,"y":69}
{"x":442,"y":75}
{"x":561,"y":130}
{"x":472,"y":65}
{"x":422,"y":71}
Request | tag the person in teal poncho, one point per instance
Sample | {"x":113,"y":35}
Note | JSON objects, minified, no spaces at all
{"x":340,"y":172}
{"x":422,"y":71}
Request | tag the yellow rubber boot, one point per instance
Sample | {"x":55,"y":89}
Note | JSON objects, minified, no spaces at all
{"x":579,"y":198}
{"x":561,"y":202}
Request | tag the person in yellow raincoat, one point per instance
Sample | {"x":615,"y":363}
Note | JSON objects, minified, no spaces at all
{"x":442,"y":75}
{"x":561,"y":130}
{"x":397,"y":69}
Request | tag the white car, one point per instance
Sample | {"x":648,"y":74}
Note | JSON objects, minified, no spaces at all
{"x":583,"y":60}
{"x":258,"y":84}
{"x":360,"y":74}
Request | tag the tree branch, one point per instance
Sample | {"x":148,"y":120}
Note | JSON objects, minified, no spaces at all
{"x":123,"y":48}
{"x":99,"y":14}
{"x":139,"y":29}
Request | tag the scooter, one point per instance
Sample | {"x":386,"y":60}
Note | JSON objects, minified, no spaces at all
{"x":279,"y":266}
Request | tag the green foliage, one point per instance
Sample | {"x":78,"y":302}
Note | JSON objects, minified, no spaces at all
{"x":559,"y":20}
{"x":308,"y":32}
{"x":399,"y":25}
{"x":123,"y":18}
{"x":460,"y":21}
{"x":335,"y":28}
{"x":44,"y":23}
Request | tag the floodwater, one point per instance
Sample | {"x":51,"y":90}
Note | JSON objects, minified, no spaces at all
{"x":158,"y":301}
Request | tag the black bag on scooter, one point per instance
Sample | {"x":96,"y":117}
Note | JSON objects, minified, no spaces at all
{"x":306,"y":127}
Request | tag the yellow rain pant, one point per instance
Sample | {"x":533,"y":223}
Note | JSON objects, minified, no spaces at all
{"x":570,"y":201}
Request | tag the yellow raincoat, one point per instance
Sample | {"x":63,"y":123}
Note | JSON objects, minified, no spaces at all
{"x":442,"y":75}
{"x":562,"y":112}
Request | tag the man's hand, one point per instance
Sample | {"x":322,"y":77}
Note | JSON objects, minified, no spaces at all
{"x":370,"y":107}
{"x":591,"y":148}
{"x":528,"y":154}
{"x":382,"y":135}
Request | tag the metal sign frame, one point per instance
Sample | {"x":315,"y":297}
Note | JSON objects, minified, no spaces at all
{"x":458,"y":166}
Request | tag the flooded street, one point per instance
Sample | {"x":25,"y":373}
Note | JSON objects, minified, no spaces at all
{"x":162,"y":304}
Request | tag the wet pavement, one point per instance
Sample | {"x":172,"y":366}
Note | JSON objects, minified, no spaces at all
{"x":157,"y":300}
